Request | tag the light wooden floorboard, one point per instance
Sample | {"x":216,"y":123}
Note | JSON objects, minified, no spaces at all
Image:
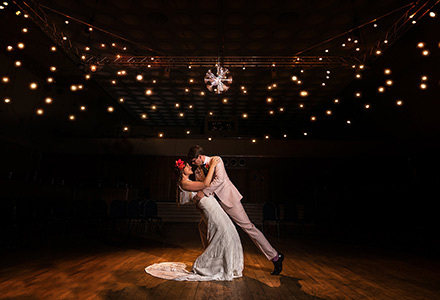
{"x":113,"y":269}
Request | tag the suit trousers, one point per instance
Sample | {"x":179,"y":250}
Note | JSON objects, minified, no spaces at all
{"x":239,"y":216}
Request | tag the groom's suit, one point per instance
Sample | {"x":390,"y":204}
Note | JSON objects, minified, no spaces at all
{"x":230,"y":199}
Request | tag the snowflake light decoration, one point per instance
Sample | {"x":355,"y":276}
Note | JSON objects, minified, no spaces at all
{"x":220,"y":82}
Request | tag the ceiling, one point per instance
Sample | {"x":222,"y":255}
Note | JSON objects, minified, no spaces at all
{"x":172,"y":44}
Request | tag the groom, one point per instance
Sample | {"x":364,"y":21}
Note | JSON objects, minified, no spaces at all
{"x":230,"y":200}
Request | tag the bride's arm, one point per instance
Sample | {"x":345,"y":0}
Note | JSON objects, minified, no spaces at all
{"x":208,"y":178}
{"x":195,"y":186}
{"x":192,"y":186}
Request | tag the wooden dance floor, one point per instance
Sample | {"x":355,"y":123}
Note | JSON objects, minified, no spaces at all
{"x":77,"y":267}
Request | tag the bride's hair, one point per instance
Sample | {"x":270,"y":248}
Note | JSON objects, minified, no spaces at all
{"x":178,"y":168}
{"x":179,"y":172}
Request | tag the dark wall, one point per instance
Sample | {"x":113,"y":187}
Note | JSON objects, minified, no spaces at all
{"x":380,"y":197}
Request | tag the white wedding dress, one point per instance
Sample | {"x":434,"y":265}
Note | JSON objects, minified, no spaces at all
{"x":221,"y":260}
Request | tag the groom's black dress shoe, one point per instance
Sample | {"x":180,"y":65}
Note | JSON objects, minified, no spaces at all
{"x":278,"y":265}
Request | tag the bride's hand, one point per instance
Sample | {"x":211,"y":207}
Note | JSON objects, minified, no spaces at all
{"x":215,"y":161}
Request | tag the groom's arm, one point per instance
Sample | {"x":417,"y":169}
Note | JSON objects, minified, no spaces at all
{"x":219,"y":178}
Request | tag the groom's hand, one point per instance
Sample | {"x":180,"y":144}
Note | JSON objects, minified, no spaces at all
{"x":199,"y":195}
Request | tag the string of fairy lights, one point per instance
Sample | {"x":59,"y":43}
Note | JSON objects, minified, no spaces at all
{"x":351,"y":42}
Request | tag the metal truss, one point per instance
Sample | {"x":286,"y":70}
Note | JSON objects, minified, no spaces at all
{"x":42,"y":20}
{"x":403,"y":24}
{"x":232,"y":61}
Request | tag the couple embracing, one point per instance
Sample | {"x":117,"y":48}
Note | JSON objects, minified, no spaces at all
{"x":219,"y":201}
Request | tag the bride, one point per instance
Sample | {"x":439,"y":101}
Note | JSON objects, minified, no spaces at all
{"x":223,"y":256}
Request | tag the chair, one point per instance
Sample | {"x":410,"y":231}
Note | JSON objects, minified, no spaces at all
{"x":24,"y":217}
{"x":290,"y":217}
{"x":271,"y":214}
{"x":90,"y":215}
{"x":117,"y":214}
{"x":117,"y":209}
{"x":8,"y":224}
{"x":133,"y":214}
{"x":42,"y":217}
{"x":61,"y":214}
{"x":7,"y":212}
{"x":150,"y":215}
{"x":97,"y":209}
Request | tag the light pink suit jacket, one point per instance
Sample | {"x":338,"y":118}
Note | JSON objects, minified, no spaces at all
{"x":230,"y":201}
{"x":221,"y":185}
